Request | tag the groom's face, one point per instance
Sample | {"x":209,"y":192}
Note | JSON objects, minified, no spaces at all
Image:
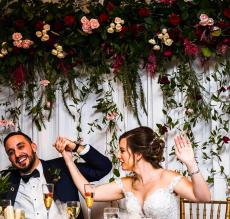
{"x":21,"y":153}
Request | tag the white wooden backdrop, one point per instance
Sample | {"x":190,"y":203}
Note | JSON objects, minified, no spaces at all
{"x":62,"y":124}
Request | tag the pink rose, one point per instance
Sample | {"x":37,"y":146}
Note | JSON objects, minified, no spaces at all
{"x":94,"y":23}
{"x":86,"y":27}
{"x":26,"y":44}
{"x":18,"y":43}
{"x":17,"y":36}
{"x":204,"y":20}
{"x":84,"y":20}
{"x":44,"y":82}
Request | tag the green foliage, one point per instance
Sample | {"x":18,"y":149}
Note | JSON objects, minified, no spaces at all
{"x":4,"y":183}
{"x":131,"y":37}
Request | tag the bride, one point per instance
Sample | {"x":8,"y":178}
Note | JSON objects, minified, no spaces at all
{"x":151,"y":191}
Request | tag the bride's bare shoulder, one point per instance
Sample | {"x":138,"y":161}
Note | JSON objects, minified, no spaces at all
{"x":168,"y":175}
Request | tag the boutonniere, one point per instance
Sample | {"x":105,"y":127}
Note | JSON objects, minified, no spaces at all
{"x":54,"y":174}
{"x":4,"y":182}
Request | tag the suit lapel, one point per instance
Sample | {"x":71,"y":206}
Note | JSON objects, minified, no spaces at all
{"x":46,"y":172}
{"x":48,"y":176}
{"x":15,"y":178}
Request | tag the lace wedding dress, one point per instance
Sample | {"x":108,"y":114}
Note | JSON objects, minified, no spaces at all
{"x":160,"y":204}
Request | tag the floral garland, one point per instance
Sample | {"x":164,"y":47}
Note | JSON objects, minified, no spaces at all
{"x":46,"y":46}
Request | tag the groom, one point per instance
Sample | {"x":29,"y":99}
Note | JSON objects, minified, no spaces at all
{"x":29,"y":173}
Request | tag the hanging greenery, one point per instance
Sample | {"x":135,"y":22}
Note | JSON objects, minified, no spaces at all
{"x":75,"y":46}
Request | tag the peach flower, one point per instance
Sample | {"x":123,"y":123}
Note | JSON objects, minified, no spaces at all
{"x":94,"y":23}
{"x":17,"y":36}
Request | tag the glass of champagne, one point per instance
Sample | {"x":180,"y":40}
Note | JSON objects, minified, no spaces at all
{"x":48,"y":190}
{"x":89,"y":194}
{"x":73,"y":209}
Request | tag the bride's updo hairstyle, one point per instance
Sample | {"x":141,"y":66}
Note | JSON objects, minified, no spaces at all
{"x":145,"y":141}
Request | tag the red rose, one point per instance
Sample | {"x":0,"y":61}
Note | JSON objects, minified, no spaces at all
{"x":167,"y":53}
{"x":227,"y":13}
{"x":19,"y":24}
{"x":110,"y":6}
{"x":167,"y":1}
{"x":164,"y":80}
{"x":174,"y":19}
{"x":226,"y":139}
{"x":19,"y":75}
{"x":103,"y":17}
{"x":39,"y":25}
{"x":144,"y":12}
{"x":226,"y":40}
{"x":190,"y":48}
{"x":69,"y":20}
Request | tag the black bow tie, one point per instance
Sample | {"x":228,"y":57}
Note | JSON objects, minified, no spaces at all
{"x":35,"y":174}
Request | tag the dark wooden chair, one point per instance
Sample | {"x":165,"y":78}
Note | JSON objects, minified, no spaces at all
{"x":203,"y":210}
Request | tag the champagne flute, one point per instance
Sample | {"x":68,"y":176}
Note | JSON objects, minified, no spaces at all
{"x":73,"y":209}
{"x":48,"y":190}
{"x":89,"y":194}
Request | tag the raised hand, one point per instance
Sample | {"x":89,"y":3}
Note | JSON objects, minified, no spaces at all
{"x":62,"y":144}
{"x":184,"y":150}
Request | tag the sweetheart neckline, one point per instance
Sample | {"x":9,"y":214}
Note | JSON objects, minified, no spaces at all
{"x":151,"y":194}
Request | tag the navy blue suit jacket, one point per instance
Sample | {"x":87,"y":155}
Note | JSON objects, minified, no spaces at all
{"x":95,"y":168}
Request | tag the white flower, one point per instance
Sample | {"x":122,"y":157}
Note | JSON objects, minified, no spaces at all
{"x":60,"y":55}
{"x":168,"y":42}
{"x":46,"y":27}
{"x":54,"y":52}
{"x":156,"y":47}
{"x":152,"y":41}
{"x":210,"y":22}
{"x":59,"y":48}
{"x":118,"y":27}
{"x":110,"y":30}
{"x":166,"y":36}
{"x":160,"y":35}
{"x":38,"y":33}
{"x":112,"y":25}
{"x":118,"y":20}
{"x":45,"y":37}
{"x":4,"y":51}
{"x":164,"y":31}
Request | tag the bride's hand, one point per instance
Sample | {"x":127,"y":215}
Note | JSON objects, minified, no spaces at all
{"x":61,"y":146}
{"x":184,"y":150}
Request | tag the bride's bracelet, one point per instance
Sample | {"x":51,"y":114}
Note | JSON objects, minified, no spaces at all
{"x":194,"y":172}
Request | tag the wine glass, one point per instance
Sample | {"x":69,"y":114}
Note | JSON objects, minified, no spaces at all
{"x":48,"y":190}
{"x":73,"y":209}
{"x":89,"y":194}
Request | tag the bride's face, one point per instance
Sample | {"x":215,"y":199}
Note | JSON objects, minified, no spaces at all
{"x":125,"y":155}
